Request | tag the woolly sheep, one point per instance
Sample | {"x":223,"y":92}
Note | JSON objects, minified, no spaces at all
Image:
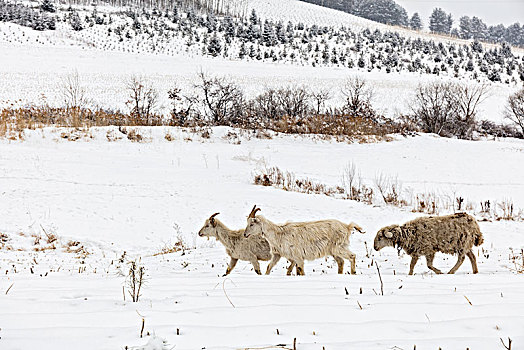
{"x":452,"y":234}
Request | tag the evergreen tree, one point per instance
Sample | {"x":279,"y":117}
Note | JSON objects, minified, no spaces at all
{"x":515,"y":35}
{"x":415,"y":23}
{"x":47,"y":6}
{"x":496,"y":33}
{"x":478,"y":28}
{"x":439,"y":21}
{"x":253,"y":19}
{"x":75,"y":21}
{"x":449,"y":23}
{"x":242,"y":52}
{"x":476,"y":46}
{"x":214,"y":48}
{"x":465,"y":27}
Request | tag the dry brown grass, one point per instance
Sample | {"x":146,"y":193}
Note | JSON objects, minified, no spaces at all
{"x":287,"y":181}
{"x":178,"y":246}
{"x":75,"y":247}
{"x":13,"y":122}
{"x":390,"y":191}
{"x":518,"y":261}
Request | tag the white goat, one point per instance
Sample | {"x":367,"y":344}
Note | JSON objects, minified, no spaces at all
{"x":238,"y":247}
{"x":305,"y":240}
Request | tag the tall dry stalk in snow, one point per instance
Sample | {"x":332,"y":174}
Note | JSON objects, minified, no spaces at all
{"x":135,"y":280}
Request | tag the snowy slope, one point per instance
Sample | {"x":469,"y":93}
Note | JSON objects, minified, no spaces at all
{"x":120,"y":196}
{"x":26,"y":73}
{"x":299,"y":11}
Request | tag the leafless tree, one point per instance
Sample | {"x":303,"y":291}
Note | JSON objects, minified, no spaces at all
{"x":433,"y":107}
{"x":515,"y":109}
{"x":143,"y":98}
{"x":182,"y":106}
{"x":73,"y":92}
{"x":222,"y":100}
{"x":294,"y":101}
{"x":320,"y":97}
{"x":448,"y":109}
{"x":266,"y":105}
{"x":467,"y":98}
{"x":358,"y":95}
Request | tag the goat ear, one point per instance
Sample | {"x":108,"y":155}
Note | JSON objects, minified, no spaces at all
{"x":388,"y":234}
{"x":212,"y":219}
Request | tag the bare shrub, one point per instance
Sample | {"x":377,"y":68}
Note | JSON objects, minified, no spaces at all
{"x":287,"y":181}
{"x":428,"y":203}
{"x":517,"y":260}
{"x":432,"y":107}
{"x":509,"y":212}
{"x":467,"y":99}
{"x":320,"y":97}
{"x":134,"y":135}
{"x":353,"y":185}
{"x":448,"y":109}
{"x":169,"y":137}
{"x":51,"y":237}
{"x":143,"y":99}
{"x":169,"y":248}
{"x":358,"y":95}
{"x":135,"y":280}
{"x":488,"y":127}
{"x":390,"y":188}
{"x":294,"y":102}
{"x":182,"y":107}
{"x":222,"y":100}
{"x":515,"y":110}
{"x":74,"y":94}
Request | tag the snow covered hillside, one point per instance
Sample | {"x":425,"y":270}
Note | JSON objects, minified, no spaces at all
{"x":71,"y":209}
{"x":283,"y":43}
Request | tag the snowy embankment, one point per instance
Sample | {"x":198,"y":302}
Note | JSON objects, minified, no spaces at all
{"x":105,"y":198}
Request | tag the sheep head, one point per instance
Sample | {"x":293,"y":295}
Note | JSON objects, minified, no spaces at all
{"x":254,"y":225}
{"x":385,"y":235}
{"x":208,"y":230}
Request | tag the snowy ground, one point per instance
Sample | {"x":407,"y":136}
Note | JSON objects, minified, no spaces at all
{"x":120,"y":196}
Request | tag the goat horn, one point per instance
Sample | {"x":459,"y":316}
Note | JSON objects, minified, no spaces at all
{"x":253,"y":212}
{"x":212,"y":216}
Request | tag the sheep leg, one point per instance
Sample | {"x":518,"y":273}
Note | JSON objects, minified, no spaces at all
{"x":290,"y":268}
{"x":347,"y":254}
{"x":414,"y":260}
{"x":300,"y":268}
{"x":429,"y":260}
{"x":340,"y":263}
{"x":232,"y":264}
{"x":460,"y":260}
{"x":473,"y":260}
{"x":272,"y":263}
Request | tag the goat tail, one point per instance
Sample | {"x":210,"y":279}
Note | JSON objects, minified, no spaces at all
{"x":353,"y":226}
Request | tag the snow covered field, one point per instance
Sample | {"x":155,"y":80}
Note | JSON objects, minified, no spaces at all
{"x":120,"y":196}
